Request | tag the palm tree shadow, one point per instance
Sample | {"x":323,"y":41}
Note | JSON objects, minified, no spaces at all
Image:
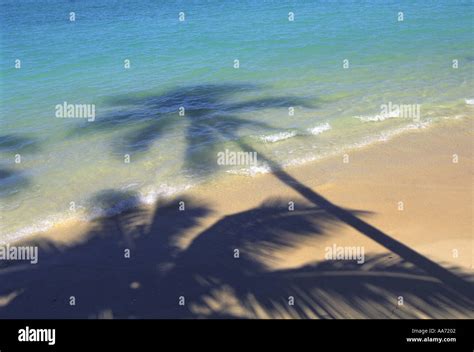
{"x":406,"y":253}
{"x":114,"y":267}
{"x":385,"y":287}
{"x":246,"y":286}
{"x":123,"y":265}
{"x":12,"y":181}
{"x":209,"y":117}
{"x":132,"y":266}
{"x":204,"y":124}
{"x":18,"y":144}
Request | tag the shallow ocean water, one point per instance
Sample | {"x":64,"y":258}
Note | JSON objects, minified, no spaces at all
{"x":293,"y":97}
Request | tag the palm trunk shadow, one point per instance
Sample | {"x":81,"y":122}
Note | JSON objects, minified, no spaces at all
{"x":453,"y":281}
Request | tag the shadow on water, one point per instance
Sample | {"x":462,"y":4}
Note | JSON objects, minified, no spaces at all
{"x":173,"y":257}
{"x":11,"y":182}
{"x":210,"y":119}
{"x":18,"y":144}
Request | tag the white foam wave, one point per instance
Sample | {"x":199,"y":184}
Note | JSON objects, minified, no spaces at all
{"x":272,"y":138}
{"x":387,"y":135}
{"x":251,"y":171}
{"x":319,"y":128}
{"x":163,"y":191}
{"x":469,"y":101}
{"x":378,"y":118}
{"x":146,"y":197}
{"x":149,"y":196}
{"x":41,"y":226}
{"x":281,"y":136}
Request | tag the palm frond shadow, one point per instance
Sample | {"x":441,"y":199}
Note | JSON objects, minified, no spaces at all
{"x":12,"y":181}
{"x":453,"y":281}
{"x":18,"y":144}
{"x":382,"y":288}
{"x":160,"y":272}
{"x":211,"y":117}
{"x":207,"y":275}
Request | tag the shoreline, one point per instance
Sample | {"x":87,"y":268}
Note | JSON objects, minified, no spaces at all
{"x":331,"y":170}
{"x":45,"y":225}
{"x":422,"y":253}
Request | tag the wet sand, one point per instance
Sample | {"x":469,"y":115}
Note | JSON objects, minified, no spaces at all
{"x":257,"y":247}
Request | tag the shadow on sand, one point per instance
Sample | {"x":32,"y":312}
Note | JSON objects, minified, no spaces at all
{"x":167,"y":267}
{"x":205,"y":274}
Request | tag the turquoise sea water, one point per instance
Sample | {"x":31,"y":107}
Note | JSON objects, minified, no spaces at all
{"x":284,"y":66}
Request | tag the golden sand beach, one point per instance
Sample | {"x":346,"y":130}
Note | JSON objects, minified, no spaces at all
{"x":258,"y":247}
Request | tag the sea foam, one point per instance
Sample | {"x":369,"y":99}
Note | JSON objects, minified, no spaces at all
{"x":378,"y":118}
{"x":272,"y":138}
{"x":251,"y":171}
{"x":319,"y":128}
